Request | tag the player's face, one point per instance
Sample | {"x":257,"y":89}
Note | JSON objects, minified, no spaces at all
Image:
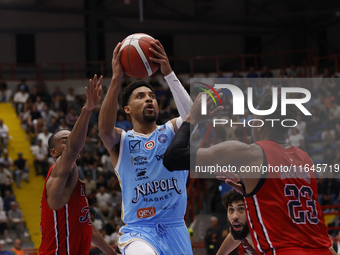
{"x":238,"y":220}
{"x":143,"y":105}
{"x":60,"y":141}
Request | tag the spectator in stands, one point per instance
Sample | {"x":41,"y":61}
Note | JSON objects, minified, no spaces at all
{"x":53,"y":125}
{"x":21,"y":169}
{"x":44,"y":136}
{"x":116,"y":202}
{"x":101,"y":182}
{"x":71,"y":117}
{"x":8,"y":198}
{"x":70,"y":97}
{"x":334,"y":113}
{"x":293,"y":72}
{"x":122,"y":122}
{"x":105,"y":209}
{"x":20,"y":99}
{"x":40,"y":104}
{"x":328,"y":136}
{"x":23,"y":83}
{"x":4,"y":225}
{"x":301,"y":125}
{"x":3,"y":250}
{"x":17,"y":250}
{"x":47,"y":114}
{"x":328,"y":100}
{"x":7,"y":161}
{"x":252,"y":73}
{"x":40,"y":153}
{"x":5,"y":93}
{"x":295,"y":137}
{"x":110,"y":227}
{"x":213,"y":237}
{"x":16,"y":218}
{"x":33,"y":118}
{"x":266,"y":73}
{"x":95,"y":221}
{"x":94,"y":137}
{"x":63,"y":125}
{"x":6,"y":179}
{"x":57,"y":92}
{"x":3,"y":134}
{"x":90,"y":184}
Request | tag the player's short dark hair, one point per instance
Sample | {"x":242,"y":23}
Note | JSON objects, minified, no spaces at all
{"x":291,"y":112}
{"x":51,"y":141}
{"x":125,"y":96}
{"x":231,"y":197}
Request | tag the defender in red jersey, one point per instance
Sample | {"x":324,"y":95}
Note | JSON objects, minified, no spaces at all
{"x":282,"y":209}
{"x":65,"y":225}
{"x":239,"y":234}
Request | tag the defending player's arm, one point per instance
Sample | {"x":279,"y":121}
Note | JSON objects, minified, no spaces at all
{"x":99,"y":241}
{"x":229,"y":244}
{"x":182,"y":99}
{"x":179,"y":155}
{"x":109,"y":134}
{"x":74,"y":142}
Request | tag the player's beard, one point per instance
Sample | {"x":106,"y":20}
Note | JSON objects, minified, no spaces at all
{"x":240,"y":235}
{"x":149,"y":118}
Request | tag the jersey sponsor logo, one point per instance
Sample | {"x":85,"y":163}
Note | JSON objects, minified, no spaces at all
{"x":140,"y":171}
{"x":149,"y":145}
{"x":86,"y":217}
{"x":140,"y":174}
{"x":154,"y":187}
{"x":160,"y":155}
{"x":134,"y":146}
{"x":162,"y":138}
{"x":146,"y":212}
{"x":131,"y":136}
{"x":140,"y":160}
{"x":162,"y":128}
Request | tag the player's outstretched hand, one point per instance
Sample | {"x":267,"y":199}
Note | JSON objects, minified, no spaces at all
{"x":195,"y":114}
{"x":93,"y":93}
{"x":232,"y":182}
{"x":160,"y":57}
{"x":117,"y":69}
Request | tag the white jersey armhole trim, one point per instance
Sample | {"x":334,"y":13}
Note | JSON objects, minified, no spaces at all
{"x":121,"y":146}
{"x":169,"y":124}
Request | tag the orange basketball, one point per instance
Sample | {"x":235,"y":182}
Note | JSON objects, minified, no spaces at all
{"x":135,"y":56}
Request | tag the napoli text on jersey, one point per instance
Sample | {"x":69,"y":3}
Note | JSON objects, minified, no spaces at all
{"x":149,"y":190}
{"x":283,"y":213}
{"x":68,"y":230}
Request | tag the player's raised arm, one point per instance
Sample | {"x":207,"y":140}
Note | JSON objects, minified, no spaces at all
{"x":66,"y":146}
{"x":109,"y":134}
{"x":181,"y":96}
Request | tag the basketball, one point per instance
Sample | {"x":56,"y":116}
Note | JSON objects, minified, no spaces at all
{"x":135,"y":56}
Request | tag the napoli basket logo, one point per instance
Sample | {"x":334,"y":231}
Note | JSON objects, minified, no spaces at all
{"x":163,"y":138}
{"x":149,"y":145}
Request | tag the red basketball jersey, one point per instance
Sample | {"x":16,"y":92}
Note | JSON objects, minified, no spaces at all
{"x":67,"y":230}
{"x":283,"y":213}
